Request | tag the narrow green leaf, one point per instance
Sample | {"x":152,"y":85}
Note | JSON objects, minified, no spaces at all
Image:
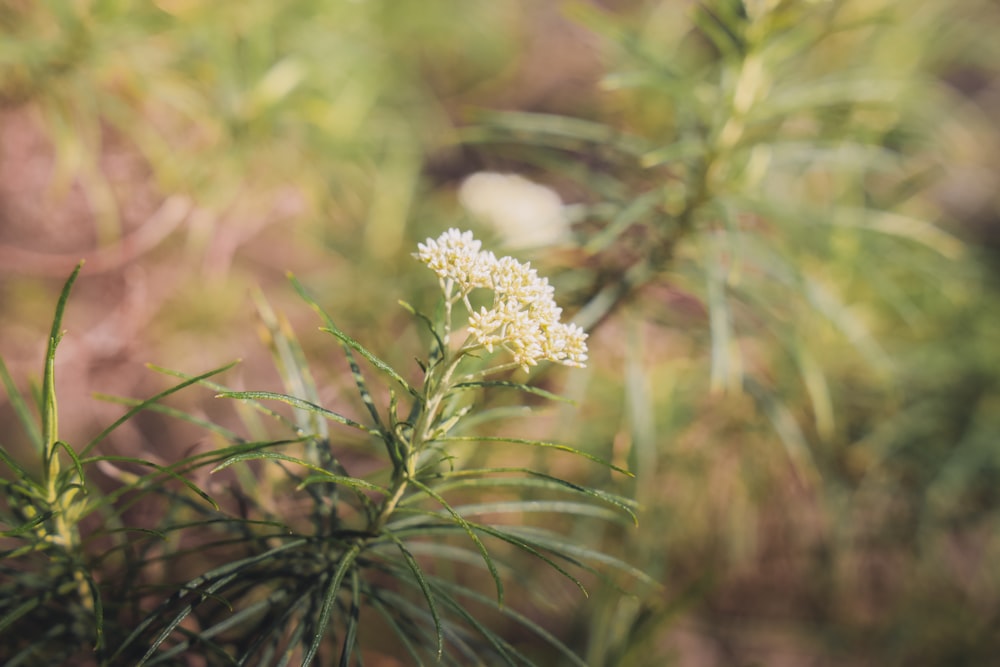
{"x":353,"y":616}
{"x":29,"y":525}
{"x":325,"y":475}
{"x":50,"y":423}
{"x":159,"y":408}
{"x":418,"y":575}
{"x":329,"y":599}
{"x":390,"y":617}
{"x":77,"y":465}
{"x":726,"y":360}
{"x":204,"y":593}
{"x":536,"y":443}
{"x":331,"y":328}
{"x":352,"y":482}
{"x":506,"y":651}
{"x":218,"y":388}
{"x":460,"y":520}
{"x":234,"y":620}
{"x":527,"y":388}
{"x":522,"y":620}
{"x":554,"y":130}
{"x":301,"y":404}
{"x":576,"y":553}
{"x":481,"y":477}
{"x":291,"y":363}
{"x":219,"y":577}
{"x":141,"y":406}
{"x":788,"y":430}
{"x":538,"y":506}
{"x":165,"y":470}
{"x":98,"y":605}
{"x":19,"y":611}
{"x":152,"y":483}
{"x":21,"y":408}
{"x":630,"y":214}
{"x":9,"y":461}
{"x":502,"y":533}
{"x":430,"y":327}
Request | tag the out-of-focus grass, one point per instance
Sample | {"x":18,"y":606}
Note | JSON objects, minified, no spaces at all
{"x":807,"y":385}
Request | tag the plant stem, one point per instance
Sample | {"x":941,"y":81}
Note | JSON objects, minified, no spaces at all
{"x":437,"y":389}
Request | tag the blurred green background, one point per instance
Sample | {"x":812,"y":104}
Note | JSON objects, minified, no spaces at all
{"x":785,"y":234}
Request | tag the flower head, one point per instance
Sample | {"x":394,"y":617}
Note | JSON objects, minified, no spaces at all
{"x":524,"y":317}
{"x":456,"y":256}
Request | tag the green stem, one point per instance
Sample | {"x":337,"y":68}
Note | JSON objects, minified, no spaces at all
{"x":436,"y":389}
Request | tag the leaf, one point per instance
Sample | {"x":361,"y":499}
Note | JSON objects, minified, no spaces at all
{"x":326,"y":475}
{"x":436,"y":352}
{"x":20,"y":407}
{"x":159,"y":408}
{"x":351,"y":632}
{"x":527,"y":388}
{"x":468,"y":531}
{"x":576,"y":553}
{"x":9,"y":461}
{"x":535,"y":480}
{"x":98,"y":609}
{"x":391,"y":619}
{"x":257,"y":406}
{"x":502,"y":647}
{"x":298,"y":403}
{"x":726,"y":358}
{"x":536,"y":443}
{"x":50,"y":426}
{"x":233,"y":620}
{"x":522,"y":620}
{"x":535,"y":506}
{"x":59,"y":444}
{"x":163,"y":394}
{"x":291,"y":362}
{"x":329,"y":597}
{"x":28,"y":525}
{"x":629,"y":214}
{"x":553,"y":130}
{"x":219,"y":577}
{"x":502,"y":533}
{"x":331,"y":328}
{"x":18,"y":612}
{"x":159,"y":469}
{"x":418,"y":575}
{"x":791,"y":436}
{"x":179,"y":618}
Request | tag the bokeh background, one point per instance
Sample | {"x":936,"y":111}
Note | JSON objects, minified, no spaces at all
{"x":783,"y":230}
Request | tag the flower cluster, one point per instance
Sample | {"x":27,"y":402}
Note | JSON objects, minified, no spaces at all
{"x":524,"y":317}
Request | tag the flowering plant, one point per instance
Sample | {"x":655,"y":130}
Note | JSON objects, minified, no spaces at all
{"x":377,"y":548}
{"x":523,"y":317}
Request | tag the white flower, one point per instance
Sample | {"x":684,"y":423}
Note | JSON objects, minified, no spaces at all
{"x":566,"y":344}
{"x":524,"y":317}
{"x":456,"y":256}
{"x":526,"y":214}
{"x":519,"y":282}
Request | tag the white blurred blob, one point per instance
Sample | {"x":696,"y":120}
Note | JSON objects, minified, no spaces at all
{"x":526,"y":214}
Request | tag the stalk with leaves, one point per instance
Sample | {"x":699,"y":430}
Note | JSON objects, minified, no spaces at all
{"x":375,"y":549}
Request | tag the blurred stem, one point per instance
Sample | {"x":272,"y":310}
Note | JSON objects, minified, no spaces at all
{"x":661,"y":253}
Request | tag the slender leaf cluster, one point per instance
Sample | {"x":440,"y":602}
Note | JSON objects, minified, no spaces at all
{"x":406,"y":549}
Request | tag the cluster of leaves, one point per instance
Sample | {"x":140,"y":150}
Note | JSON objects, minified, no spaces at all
{"x":288,"y":585}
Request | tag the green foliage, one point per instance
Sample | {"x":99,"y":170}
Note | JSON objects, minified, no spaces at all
{"x":796,"y":359}
{"x":295,"y":587}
